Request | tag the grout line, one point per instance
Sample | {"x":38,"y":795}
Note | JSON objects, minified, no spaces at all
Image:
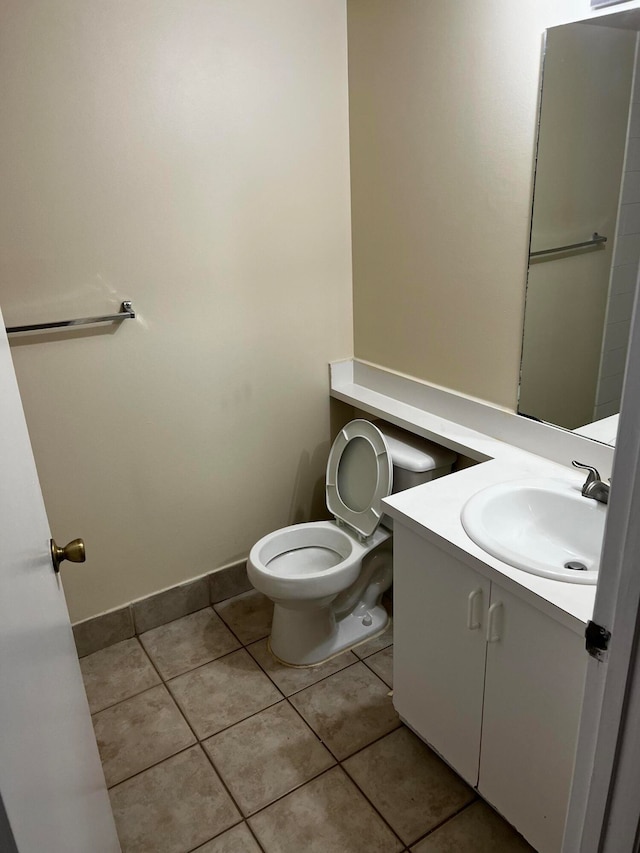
{"x":173,"y":699}
{"x":310,"y":727}
{"x":448,"y":819}
{"x":375,"y":740}
{"x":224,"y":784}
{"x":231,"y":725}
{"x":151,"y":766}
{"x":255,"y":837}
{"x":207,"y":663}
{"x":379,"y":813}
{"x":286,"y":793}
{"x":239,"y":595}
{"x":297,"y":788}
{"x":126,"y":698}
{"x":377,"y":652}
{"x":228,"y":829}
{"x":373,"y":806}
{"x":237,"y":722}
{"x":326,"y":745}
{"x":231,"y":631}
{"x":167,"y":678}
{"x":134,"y":696}
{"x":307,"y":686}
{"x":138,"y":692}
{"x":390,"y":686}
{"x":171,"y":621}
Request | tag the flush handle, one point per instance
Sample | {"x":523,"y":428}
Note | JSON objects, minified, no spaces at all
{"x":73,"y":551}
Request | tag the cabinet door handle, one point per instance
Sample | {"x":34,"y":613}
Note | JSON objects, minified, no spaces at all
{"x":494,"y":623}
{"x":474,"y":610}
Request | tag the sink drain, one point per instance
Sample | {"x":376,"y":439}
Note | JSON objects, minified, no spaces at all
{"x":576,"y":566}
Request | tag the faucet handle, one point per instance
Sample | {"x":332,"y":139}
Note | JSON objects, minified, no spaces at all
{"x":594,"y":475}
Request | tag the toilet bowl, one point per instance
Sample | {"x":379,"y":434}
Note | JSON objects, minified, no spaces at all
{"x":327,"y":578}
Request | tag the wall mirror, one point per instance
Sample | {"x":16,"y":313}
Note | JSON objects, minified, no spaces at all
{"x":585,"y":226}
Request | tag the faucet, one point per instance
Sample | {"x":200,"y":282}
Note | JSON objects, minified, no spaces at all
{"x":594,"y":487}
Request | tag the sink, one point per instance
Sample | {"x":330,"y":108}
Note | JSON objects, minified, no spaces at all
{"x":545,"y":527}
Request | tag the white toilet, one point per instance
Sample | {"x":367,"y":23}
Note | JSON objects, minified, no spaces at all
{"x":326,"y":578}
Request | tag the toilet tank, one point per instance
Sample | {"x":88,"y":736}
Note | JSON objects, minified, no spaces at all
{"x":415,"y":460}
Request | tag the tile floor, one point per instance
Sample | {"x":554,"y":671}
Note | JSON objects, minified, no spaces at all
{"x":209,"y":745}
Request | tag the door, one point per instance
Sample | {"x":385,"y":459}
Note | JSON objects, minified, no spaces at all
{"x":604,"y":815}
{"x":439,"y":649}
{"x":533,"y":694}
{"x":53,"y":796}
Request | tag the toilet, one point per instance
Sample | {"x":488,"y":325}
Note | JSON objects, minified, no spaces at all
{"x":327,"y":578}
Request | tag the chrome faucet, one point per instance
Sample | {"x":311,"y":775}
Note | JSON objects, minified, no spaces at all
{"x":594,"y":487}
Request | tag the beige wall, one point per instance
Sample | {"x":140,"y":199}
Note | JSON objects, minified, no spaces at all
{"x":443,"y":100}
{"x":193,"y":157}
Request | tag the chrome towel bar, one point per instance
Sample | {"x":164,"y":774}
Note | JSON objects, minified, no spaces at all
{"x":126,"y":312}
{"x":596,"y":240}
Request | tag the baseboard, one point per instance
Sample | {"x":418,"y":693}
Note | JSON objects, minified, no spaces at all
{"x":141,"y":615}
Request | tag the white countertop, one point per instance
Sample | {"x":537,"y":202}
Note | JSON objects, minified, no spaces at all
{"x":433,"y":509}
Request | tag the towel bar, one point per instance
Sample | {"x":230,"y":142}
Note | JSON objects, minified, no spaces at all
{"x":126,"y":312}
{"x":596,"y":240}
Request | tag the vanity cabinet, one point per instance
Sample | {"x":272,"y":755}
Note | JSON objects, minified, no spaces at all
{"x":490,"y":682}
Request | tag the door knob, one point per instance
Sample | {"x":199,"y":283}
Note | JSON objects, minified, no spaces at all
{"x":72,"y":551}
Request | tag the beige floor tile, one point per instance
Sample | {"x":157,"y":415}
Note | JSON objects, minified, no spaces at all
{"x":172,"y":807}
{"x":115,"y":673}
{"x":291,"y":679}
{"x":236,"y":840}
{"x":382,"y":664}
{"x":223,"y":692}
{"x":377,"y":644}
{"x":188,"y":642}
{"x":478,"y":829}
{"x":327,"y":815}
{"x":411,"y":787}
{"x":248,"y":615}
{"x":266,"y":756}
{"x":139,"y":732}
{"x":348,"y":710}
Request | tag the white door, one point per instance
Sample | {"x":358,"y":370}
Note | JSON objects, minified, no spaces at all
{"x":439,"y":649}
{"x":532,"y":698}
{"x":604,"y":814}
{"x":53,"y":797}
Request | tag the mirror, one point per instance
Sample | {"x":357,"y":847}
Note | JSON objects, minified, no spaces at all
{"x":585,"y":228}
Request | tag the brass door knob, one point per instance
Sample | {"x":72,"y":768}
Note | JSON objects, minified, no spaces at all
{"x":72,"y":551}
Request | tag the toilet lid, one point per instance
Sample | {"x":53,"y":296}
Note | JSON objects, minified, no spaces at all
{"x":359,"y":475}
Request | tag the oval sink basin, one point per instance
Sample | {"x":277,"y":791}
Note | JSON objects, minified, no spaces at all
{"x":545,"y":527}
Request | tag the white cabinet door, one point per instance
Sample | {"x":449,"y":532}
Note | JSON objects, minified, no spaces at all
{"x":53,"y":797}
{"x":439,"y":649}
{"x":533,"y":695}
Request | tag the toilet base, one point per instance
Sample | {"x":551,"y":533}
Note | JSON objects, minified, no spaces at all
{"x":309,"y":638}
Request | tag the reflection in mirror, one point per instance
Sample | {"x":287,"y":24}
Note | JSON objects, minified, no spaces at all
{"x":580,"y":287}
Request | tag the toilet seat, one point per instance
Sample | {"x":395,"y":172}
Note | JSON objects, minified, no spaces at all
{"x":270,"y":570}
{"x":359,"y":476}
